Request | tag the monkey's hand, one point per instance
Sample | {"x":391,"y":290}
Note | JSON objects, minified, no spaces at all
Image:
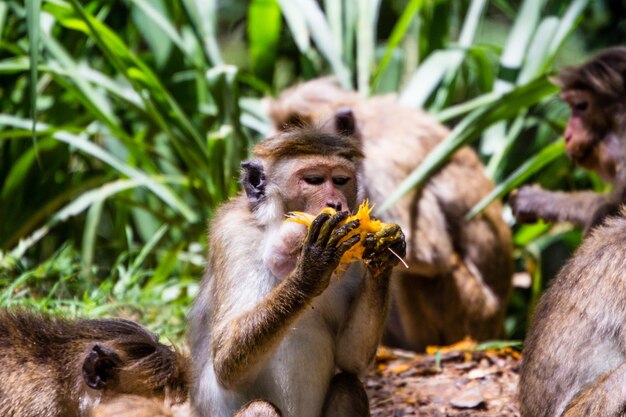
{"x":321,"y":251}
{"x":384,"y":249}
{"x":526,"y":203}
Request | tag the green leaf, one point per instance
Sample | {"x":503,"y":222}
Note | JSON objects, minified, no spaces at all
{"x":297,"y":24}
{"x":158,"y":31}
{"x":469,"y":129}
{"x":33,"y":10}
{"x":264,"y":27}
{"x":80,"y":142}
{"x":397,"y":35}
{"x":203,"y":16}
{"x":323,"y":38}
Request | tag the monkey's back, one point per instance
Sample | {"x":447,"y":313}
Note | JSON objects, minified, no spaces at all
{"x":433,"y":219}
{"x":574,"y":334}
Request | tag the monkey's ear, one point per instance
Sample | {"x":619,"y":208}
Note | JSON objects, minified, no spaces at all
{"x":253,"y":180}
{"x":344,"y":122}
{"x":100,"y":367}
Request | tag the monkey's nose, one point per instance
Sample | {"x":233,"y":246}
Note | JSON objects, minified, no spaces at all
{"x":336,"y":206}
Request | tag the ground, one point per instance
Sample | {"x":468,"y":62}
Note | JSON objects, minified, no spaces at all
{"x":456,"y":381}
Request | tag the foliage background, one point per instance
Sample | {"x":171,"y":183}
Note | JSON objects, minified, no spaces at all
{"x":144,"y":109}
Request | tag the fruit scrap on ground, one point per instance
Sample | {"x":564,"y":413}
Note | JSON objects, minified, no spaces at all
{"x":366,"y":225}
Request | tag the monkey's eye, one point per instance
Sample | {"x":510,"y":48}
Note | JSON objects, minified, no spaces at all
{"x":581,"y":105}
{"x":340,"y":180}
{"x":313,"y":180}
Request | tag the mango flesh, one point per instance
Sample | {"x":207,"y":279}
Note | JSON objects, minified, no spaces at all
{"x":366,"y":225}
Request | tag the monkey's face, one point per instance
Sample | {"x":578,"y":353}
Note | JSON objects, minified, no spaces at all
{"x":312,"y":183}
{"x":589,"y":136}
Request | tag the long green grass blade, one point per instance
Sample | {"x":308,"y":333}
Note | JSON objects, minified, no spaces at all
{"x":159,"y":102}
{"x":442,"y":63}
{"x":397,"y":35}
{"x":203,"y":16}
{"x":469,"y":129}
{"x":568,"y":23}
{"x":97,"y":103}
{"x":428,"y":76}
{"x":72,"y":209}
{"x":4,"y":8}
{"x":33,"y":11}
{"x":323,"y":38}
{"x":334,"y":11}
{"x":160,"y":21}
{"x":365,"y":45}
{"x":82,"y":143}
{"x":89,"y":233}
{"x":297,"y":25}
{"x":530,"y":167}
{"x":511,"y":61}
{"x":264,"y":27}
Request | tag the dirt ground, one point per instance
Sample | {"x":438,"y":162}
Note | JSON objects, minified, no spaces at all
{"x":455,"y":381}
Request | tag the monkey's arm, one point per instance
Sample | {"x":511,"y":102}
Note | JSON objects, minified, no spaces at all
{"x":242,"y":344}
{"x":363,"y":329}
{"x":532,"y":203}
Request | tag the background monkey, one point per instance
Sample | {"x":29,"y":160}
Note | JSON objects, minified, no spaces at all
{"x":574,"y":359}
{"x":595,"y":139}
{"x":460,"y":271}
{"x":54,"y":367}
{"x":293,"y":343}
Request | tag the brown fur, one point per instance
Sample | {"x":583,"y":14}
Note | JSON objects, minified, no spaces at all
{"x":42,"y":357}
{"x":595,"y":139}
{"x":138,"y":406}
{"x":460,"y":271}
{"x":574,"y":353}
{"x":299,"y":142}
{"x":268,"y":344}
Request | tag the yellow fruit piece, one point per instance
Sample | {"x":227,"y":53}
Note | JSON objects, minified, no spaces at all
{"x":366,"y":225}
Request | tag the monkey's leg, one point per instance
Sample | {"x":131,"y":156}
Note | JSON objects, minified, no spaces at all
{"x":606,"y":396}
{"x":258,"y":408}
{"x":346,"y":397}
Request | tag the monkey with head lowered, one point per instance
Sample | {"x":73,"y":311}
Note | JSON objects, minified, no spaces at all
{"x":56,"y":367}
{"x":574,"y":362}
{"x":272,"y":334}
{"x":595,"y":138}
{"x":460,"y":271}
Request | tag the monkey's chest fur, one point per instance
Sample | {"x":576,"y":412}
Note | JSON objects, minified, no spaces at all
{"x":302,"y":358}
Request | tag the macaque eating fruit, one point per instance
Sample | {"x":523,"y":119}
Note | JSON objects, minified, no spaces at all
{"x":56,"y":367}
{"x":271,"y":333}
{"x":574,"y":358}
{"x":595,"y":138}
{"x":459,"y":276}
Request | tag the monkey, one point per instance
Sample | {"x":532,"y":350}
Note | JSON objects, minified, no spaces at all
{"x":294,"y":340}
{"x":574,"y":362}
{"x":60,"y":367}
{"x":595,"y":139}
{"x":460,"y":271}
{"x":140,"y":406}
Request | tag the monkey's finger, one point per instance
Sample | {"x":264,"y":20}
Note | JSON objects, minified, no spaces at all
{"x":387,"y":232}
{"x":342,"y":231}
{"x":345,"y":246}
{"x":316,"y":226}
{"x":329,"y":226}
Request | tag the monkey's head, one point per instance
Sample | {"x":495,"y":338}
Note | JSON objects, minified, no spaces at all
{"x":320,"y":102}
{"x":302,"y":170}
{"x":130,"y":360}
{"x":595,"y":136}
